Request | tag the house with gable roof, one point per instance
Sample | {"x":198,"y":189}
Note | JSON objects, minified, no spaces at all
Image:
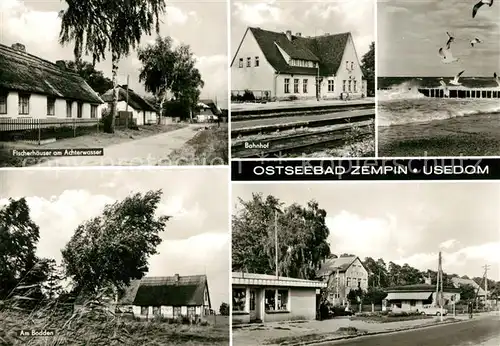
{"x":279,"y":65}
{"x":342,"y":275}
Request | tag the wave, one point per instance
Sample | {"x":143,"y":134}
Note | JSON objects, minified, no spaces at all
{"x":405,"y":91}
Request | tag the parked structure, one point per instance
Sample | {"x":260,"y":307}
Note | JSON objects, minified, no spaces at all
{"x":414,"y":297}
{"x":268,"y":298}
{"x":34,"y":88}
{"x":342,"y":275}
{"x":281,"y":65}
{"x":143,"y":112}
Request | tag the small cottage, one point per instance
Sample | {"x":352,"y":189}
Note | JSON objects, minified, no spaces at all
{"x":206,"y":111}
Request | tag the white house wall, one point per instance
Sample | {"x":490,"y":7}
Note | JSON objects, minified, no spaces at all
{"x":344,"y":73}
{"x":302,"y":306}
{"x":280,"y":86}
{"x":137,"y":115}
{"x":38,"y":108}
{"x":253,"y":78}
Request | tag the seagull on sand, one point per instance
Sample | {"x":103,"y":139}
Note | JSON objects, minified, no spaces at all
{"x":497,"y":78}
{"x":454,"y":81}
{"x":450,"y":39}
{"x":474,"y":41}
{"x":446,"y":55}
{"x":479,"y":5}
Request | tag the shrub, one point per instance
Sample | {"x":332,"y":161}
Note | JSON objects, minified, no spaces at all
{"x":248,"y":96}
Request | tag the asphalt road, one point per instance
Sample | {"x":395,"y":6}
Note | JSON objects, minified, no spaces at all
{"x":291,"y":119}
{"x":480,"y":332}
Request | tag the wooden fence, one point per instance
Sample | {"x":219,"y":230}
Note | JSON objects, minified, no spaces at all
{"x":41,"y":129}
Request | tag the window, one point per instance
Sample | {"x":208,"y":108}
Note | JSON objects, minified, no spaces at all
{"x":412,"y":302}
{"x":304,"y":86}
{"x":347,"y":65}
{"x":239,"y":298}
{"x":256,"y":61}
{"x":287,"y":85}
{"x":24,"y":104}
{"x":252,"y":300}
{"x":177,"y":311}
{"x":331,"y":86}
{"x":144,"y":310}
{"x":156,"y":311}
{"x":296,"y":86}
{"x":270,"y":300}
{"x":344,"y":85}
{"x":359,"y":283}
{"x":3,"y":103}
{"x":352,"y":65}
{"x":355,"y":85}
{"x":240,"y":65}
{"x":69,"y":105}
{"x":191,"y":311}
{"x":93,"y":111}
{"x":51,"y":106}
{"x":249,"y":62}
{"x":348,"y":282}
{"x":79,"y":110}
{"x":350,"y":81}
{"x":282,"y":300}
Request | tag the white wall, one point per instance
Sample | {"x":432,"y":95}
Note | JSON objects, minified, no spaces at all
{"x":280,"y":86}
{"x":138,"y":115}
{"x":38,"y":108}
{"x":344,"y":73}
{"x":302,"y":303}
{"x":252,"y":78}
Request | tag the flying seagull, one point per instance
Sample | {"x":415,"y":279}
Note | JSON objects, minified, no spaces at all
{"x":454,"y":81}
{"x":474,"y":41}
{"x":447,"y":56}
{"x":450,"y":39}
{"x":445,"y":87}
{"x":479,"y":4}
{"x":443,"y":84}
{"x":497,"y":78}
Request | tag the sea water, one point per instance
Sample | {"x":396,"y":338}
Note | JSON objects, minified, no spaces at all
{"x":400,"y":102}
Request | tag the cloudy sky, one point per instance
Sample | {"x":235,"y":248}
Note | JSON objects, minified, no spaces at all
{"x":405,"y":222}
{"x":200,"y":24}
{"x":308,"y":17}
{"x":410,"y":34}
{"x":195,"y":241}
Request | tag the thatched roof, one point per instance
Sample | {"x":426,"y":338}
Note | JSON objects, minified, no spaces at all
{"x":24,"y":72}
{"x":166,"y":291}
{"x":135,"y":101}
{"x":211,"y":104}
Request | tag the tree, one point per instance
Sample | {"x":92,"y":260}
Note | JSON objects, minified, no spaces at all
{"x":368,"y":68}
{"x":467,"y":292}
{"x":112,"y":249}
{"x":355,"y":296}
{"x":302,"y":238}
{"x":375,"y":295}
{"x":347,"y":255}
{"x":224,"y":309}
{"x":18,"y":239}
{"x":95,"y":79}
{"x":96,"y":27}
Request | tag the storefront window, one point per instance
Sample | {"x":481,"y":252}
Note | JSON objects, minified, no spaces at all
{"x":239,"y":298}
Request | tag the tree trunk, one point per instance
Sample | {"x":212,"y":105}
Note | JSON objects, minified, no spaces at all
{"x":114,"y":109}
{"x":163,"y":95}
{"x":190,"y":115}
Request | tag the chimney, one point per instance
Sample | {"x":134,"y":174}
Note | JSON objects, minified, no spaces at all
{"x":61,"y":64}
{"x":19,"y":46}
{"x":176,"y":278}
{"x":299,"y":34}
{"x":289,"y":35}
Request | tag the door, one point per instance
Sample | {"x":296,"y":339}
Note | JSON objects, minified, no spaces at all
{"x":253,"y":312}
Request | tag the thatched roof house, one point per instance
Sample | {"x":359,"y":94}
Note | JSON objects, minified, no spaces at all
{"x":142,"y":110}
{"x":27,"y":79}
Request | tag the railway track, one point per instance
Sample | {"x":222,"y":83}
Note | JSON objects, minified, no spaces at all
{"x":302,"y":143}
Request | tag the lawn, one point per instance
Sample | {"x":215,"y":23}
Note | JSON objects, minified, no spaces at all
{"x":90,"y":140}
{"x":106,"y":330}
{"x":387,"y":318}
{"x":208,"y":147}
{"x":316,"y":337}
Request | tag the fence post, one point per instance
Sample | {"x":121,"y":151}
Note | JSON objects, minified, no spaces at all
{"x":39,"y":132}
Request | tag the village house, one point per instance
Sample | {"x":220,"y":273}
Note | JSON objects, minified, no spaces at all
{"x":277,"y":65}
{"x":142,"y":111}
{"x":207,"y":110}
{"x":481,"y":293}
{"x":342,"y":275}
{"x":270,"y":298}
{"x":169,"y":297}
{"x":414,"y":297}
{"x":34,"y":88}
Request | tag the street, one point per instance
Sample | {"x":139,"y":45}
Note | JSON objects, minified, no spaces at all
{"x":478,"y":332}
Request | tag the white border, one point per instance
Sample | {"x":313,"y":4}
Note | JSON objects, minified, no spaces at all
{"x":375,"y":125}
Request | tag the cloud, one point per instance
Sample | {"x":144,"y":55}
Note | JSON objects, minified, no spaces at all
{"x":448,"y":244}
{"x":213,"y":71}
{"x":259,"y":13}
{"x":176,"y":16}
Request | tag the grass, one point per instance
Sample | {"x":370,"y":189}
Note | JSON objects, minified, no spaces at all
{"x":98,"y":328}
{"x":208,"y":147}
{"x":378,"y":317}
{"x":91,"y":140}
{"x":314,"y":337}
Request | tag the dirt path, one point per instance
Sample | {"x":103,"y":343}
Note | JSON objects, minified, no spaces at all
{"x":146,"y":151}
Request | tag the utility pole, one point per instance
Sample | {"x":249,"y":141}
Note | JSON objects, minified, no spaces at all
{"x":276,"y":241}
{"x":441,"y":286}
{"x":486,"y":268}
{"x":128,"y":79}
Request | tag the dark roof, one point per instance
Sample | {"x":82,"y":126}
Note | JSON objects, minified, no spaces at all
{"x":418,"y":288}
{"x":327,"y":50}
{"x":213,"y":107}
{"x":331,"y":265}
{"x":166,"y":291}
{"x":135,"y":101}
{"x":22,"y":71}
